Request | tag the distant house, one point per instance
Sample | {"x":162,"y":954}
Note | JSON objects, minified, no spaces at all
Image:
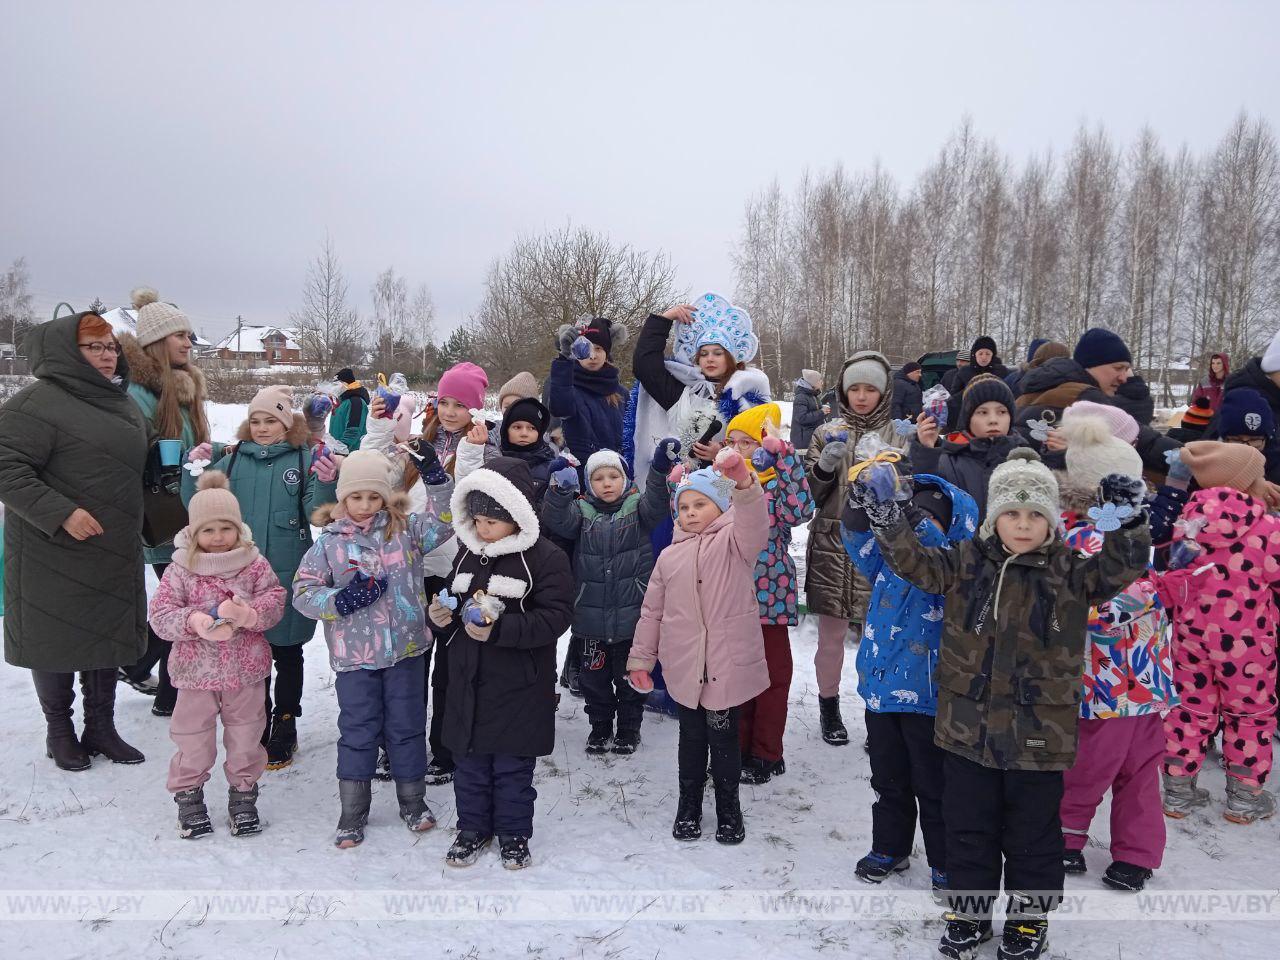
{"x":125,"y":320}
{"x":259,"y":346}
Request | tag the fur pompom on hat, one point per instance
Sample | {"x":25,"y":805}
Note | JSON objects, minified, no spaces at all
{"x":365,"y":470}
{"x":213,"y":501}
{"x":1094,"y":451}
{"x":156,"y":319}
{"x":1022,"y":482}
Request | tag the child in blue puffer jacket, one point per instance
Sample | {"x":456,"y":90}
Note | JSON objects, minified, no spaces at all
{"x":895,"y":678}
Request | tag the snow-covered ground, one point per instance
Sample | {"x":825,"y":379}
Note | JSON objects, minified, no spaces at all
{"x":91,"y":864}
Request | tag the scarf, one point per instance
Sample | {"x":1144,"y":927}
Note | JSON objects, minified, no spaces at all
{"x":602,"y":382}
{"x":222,"y":565}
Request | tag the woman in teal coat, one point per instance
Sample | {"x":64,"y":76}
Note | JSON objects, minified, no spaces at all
{"x":273,"y":476}
{"x":170,"y":392}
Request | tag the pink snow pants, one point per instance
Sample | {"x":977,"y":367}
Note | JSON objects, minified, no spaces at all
{"x":194,"y":728}
{"x":1121,"y":755}
{"x":1236,"y":687}
{"x":828,"y":661}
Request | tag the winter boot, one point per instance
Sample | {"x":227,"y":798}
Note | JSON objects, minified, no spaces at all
{"x":938,"y":886}
{"x":570,"y":675}
{"x":283,"y":742}
{"x":515,"y":852}
{"x":876,"y":867}
{"x":383,"y":770}
{"x":1026,"y":937}
{"x":601,"y":737}
{"x":1126,"y":876}
{"x":1181,"y":795}
{"x":56,"y":692}
{"x":688,"y":825}
{"x":147,"y":686}
{"x":355,"y":796}
{"x":438,"y":772}
{"x":467,"y":847}
{"x":1073,"y":862}
{"x":1247,"y":802}
{"x":963,"y":936}
{"x":729,"y":826}
{"x":242,"y":811}
{"x":413,"y":808}
{"x":833,"y":731}
{"x":626,"y":742}
{"x":193,"y":816}
{"x":757,"y":770}
{"x":98,"y":694}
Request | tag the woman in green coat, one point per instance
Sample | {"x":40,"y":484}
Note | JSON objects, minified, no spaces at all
{"x":72,"y":451}
{"x":278,"y":485}
{"x":170,"y":392}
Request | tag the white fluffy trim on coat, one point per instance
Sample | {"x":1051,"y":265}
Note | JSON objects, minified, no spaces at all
{"x":513,"y":501}
{"x":512,"y":588}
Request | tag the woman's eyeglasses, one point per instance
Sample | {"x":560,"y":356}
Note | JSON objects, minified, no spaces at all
{"x":96,"y":349}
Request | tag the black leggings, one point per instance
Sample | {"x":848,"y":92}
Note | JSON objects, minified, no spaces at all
{"x":713,"y":732}
{"x":157,"y":652}
{"x":288,"y":663}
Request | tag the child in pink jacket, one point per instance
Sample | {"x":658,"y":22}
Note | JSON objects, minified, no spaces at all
{"x":701,"y":619}
{"x":214,"y":603}
{"x":1224,"y":605}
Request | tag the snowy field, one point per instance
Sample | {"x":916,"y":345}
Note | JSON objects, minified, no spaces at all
{"x":91,"y":864}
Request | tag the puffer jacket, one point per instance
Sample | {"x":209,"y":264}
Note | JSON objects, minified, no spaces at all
{"x":393,"y":627}
{"x":277,"y":493}
{"x":806,"y":414}
{"x":832,"y":586}
{"x":590,"y":406}
{"x":1012,"y":652}
{"x":199,"y":664}
{"x":612,"y":555}
{"x":790,"y":504}
{"x":908,"y":398}
{"x":966,"y":461}
{"x":899,"y":647}
{"x":700,"y":616}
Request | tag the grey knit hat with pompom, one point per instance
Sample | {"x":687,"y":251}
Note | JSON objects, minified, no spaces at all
{"x":156,"y":319}
{"x":1022,"y":482}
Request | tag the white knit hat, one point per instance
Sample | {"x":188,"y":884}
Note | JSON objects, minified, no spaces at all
{"x":156,"y":320}
{"x":604,"y":458}
{"x":1022,"y":482}
{"x":1094,"y":451}
{"x":1271,"y":359}
{"x":366,"y":470}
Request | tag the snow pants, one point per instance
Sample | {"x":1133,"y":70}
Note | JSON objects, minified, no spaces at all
{"x":906,"y":775}
{"x":383,"y":708}
{"x":603,"y":679}
{"x":763,"y":718}
{"x":494,"y":794}
{"x":194,"y":728}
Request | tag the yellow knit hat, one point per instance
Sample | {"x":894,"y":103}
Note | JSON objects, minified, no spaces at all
{"x":751,"y":421}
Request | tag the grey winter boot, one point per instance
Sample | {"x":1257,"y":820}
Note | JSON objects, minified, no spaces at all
{"x":355,"y":796}
{"x":413,"y":808}
{"x":242,"y":811}
{"x":98,"y":696}
{"x":1181,"y":795}
{"x":57,"y":692}
{"x":1247,"y":802}
{"x":193,"y":816}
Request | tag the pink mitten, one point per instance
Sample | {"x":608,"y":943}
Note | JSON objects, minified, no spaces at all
{"x":676,"y":474}
{"x":774,"y":445}
{"x":202,"y":624}
{"x":239,"y":613}
{"x":325,"y":468}
{"x":730,"y":464}
{"x":201,"y":451}
{"x":402,"y":424}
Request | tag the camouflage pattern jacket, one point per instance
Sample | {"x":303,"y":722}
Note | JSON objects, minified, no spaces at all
{"x":1013,"y":647}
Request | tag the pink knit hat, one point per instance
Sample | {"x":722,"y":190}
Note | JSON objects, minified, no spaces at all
{"x":1122,"y":425}
{"x":464,"y":382}
{"x":274,"y":402}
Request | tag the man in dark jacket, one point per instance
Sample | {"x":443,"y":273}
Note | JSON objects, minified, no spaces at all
{"x":1014,"y":379}
{"x":501,"y":705}
{"x":907,"y":396}
{"x":984,"y":359}
{"x":952,"y":377}
{"x":1262,"y":374}
{"x":807,"y":410}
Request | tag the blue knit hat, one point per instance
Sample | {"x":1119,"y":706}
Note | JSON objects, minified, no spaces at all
{"x":1098,"y":347}
{"x":710,"y":483}
{"x":1246,"y":413}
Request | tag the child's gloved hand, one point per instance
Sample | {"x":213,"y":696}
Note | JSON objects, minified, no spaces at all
{"x":358,"y":594}
{"x":665,"y":454}
{"x":239,"y":613}
{"x":565,"y":336}
{"x":566,"y":478}
{"x":441,"y":609}
{"x":581,"y":348}
{"x":1124,"y":492}
{"x":428,"y":463}
{"x":775,"y":445}
{"x":641,"y":681}
{"x":676,"y":475}
{"x":201,"y":451}
{"x":832,"y":455}
{"x":1179,"y":472}
{"x":202,"y":625}
{"x":477,"y":631}
{"x":325,"y":467}
{"x":730,"y":464}
{"x":763,"y":460}
{"x":880,"y":513}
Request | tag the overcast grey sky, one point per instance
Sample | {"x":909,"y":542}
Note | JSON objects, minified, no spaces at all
{"x":206,"y":149}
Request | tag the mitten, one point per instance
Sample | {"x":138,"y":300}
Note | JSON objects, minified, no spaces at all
{"x":239,"y":613}
{"x":203,"y":626}
{"x":566,"y":478}
{"x":440,"y":610}
{"x":201,"y":451}
{"x":880,"y":513}
{"x":832,"y":455}
{"x":676,"y":475}
{"x":775,"y":445}
{"x":1126,"y":494}
{"x":478,"y":631}
{"x":730,"y":464}
{"x":565,"y":336}
{"x":325,"y":467}
{"x":581,"y":348}
{"x":1179,"y":473}
{"x":665,"y":454}
{"x":763,"y":460}
{"x":358,"y":594}
{"x":427,"y":462}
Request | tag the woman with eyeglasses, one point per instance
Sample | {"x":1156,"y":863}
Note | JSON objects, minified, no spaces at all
{"x":72,"y":450}
{"x":170,"y":392}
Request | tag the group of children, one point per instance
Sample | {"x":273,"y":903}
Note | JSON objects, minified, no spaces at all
{"x":1021,"y":654}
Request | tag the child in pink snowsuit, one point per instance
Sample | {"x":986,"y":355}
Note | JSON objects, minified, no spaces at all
{"x":1224,"y":607}
{"x":701,"y":619}
{"x":214,"y":603}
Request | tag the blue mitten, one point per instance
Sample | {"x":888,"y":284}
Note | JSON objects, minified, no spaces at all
{"x":763,"y":460}
{"x":581,"y":348}
{"x":566,"y":478}
{"x":358,"y":594}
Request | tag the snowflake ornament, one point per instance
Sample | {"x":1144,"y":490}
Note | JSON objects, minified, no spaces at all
{"x":904,"y":428}
{"x":1039,"y":429}
{"x":195,"y":467}
{"x":1110,"y":516}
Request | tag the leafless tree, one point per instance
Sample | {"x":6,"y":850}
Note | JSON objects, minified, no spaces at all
{"x":328,"y":329}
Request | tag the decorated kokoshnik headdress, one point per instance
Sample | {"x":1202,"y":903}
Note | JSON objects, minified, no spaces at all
{"x":716,"y":321}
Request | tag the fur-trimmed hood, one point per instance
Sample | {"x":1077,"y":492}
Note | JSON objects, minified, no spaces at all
{"x":335,"y":514}
{"x":145,"y":371}
{"x":508,"y":481}
{"x":297,"y":436}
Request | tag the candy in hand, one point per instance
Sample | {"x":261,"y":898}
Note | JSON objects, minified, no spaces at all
{"x":763,"y":460}
{"x":881,"y":480}
{"x":482,"y":609}
{"x":904,"y":428}
{"x":563,"y":460}
{"x":1183,"y":554}
{"x":581,"y":348}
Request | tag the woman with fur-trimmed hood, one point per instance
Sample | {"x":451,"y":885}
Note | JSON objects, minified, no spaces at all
{"x":278,"y":483}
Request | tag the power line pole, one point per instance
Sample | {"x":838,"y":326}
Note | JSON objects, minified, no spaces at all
{"x":238,"y":353}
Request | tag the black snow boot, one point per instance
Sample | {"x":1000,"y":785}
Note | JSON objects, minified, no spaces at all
{"x":193,"y":816}
{"x":963,"y":936}
{"x":242,"y":811}
{"x":1026,"y":937}
{"x":57,"y":692}
{"x":1126,"y":876}
{"x":758,"y":770}
{"x":729,"y":826}
{"x":833,"y":731}
{"x":355,"y":796}
{"x":515,"y":852}
{"x":601,"y":737}
{"x":878,"y":867}
{"x":627,"y":741}
{"x":1073,"y":862}
{"x":283,"y":742}
{"x":467,"y":847}
{"x":438,"y":773}
{"x":688,"y":825}
{"x":98,"y":694}
{"x":415,"y":813}
{"x":147,"y":686}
